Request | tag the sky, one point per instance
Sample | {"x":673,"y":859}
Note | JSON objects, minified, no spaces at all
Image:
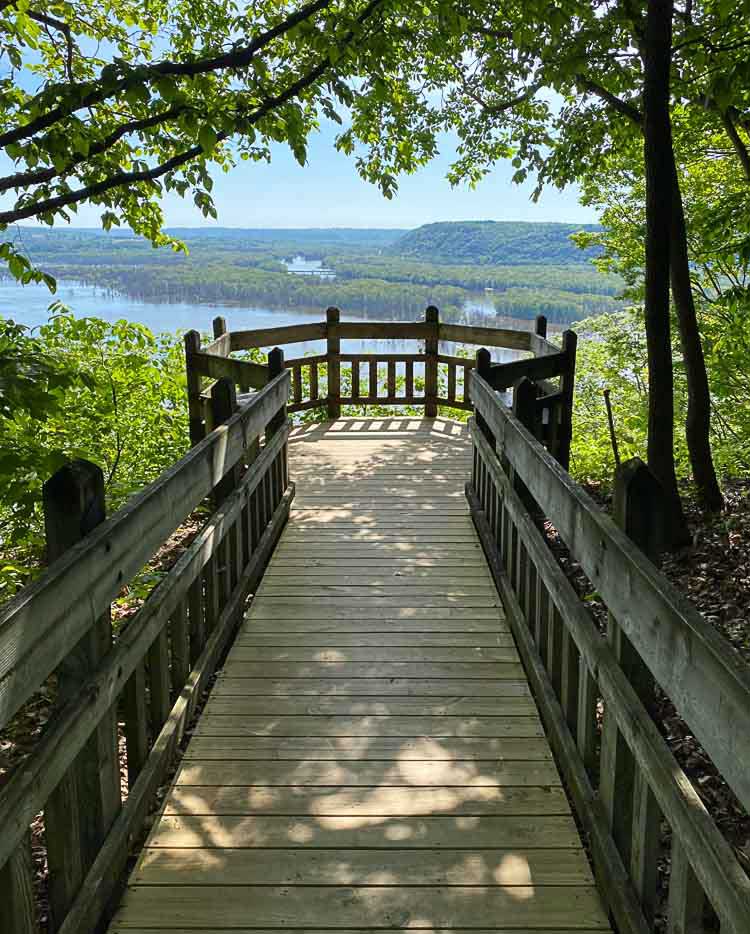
{"x":327,"y":192}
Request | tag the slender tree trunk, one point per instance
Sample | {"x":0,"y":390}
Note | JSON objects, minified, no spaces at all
{"x":659,"y":160}
{"x":698,"y":419}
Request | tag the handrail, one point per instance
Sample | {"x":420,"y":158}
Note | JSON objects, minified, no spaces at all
{"x":334,"y":378}
{"x":515,"y":483}
{"x":152,"y":676}
{"x":49,"y":616}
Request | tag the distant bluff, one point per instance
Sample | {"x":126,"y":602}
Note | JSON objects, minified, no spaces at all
{"x":494,"y":243}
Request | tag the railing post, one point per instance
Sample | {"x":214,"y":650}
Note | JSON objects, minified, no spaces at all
{"x":223,"y":407}
{"x":431,"y":317}
{"x":567,"y":388}
{"x":280,"y":471}
{"x":525,"y":410}
{"x":334,"y":365}
{"x":219,"y":326}
{"x":540,"y":326}
{"x":195,"y":416}
{"x":82,"y":808}
{"x":218,"y":572}
{"x":629,"y":803}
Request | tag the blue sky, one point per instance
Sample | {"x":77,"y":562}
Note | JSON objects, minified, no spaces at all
{"x":329,"y":193}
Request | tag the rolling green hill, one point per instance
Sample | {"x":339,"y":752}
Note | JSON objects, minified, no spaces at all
{"x":493,"y":242}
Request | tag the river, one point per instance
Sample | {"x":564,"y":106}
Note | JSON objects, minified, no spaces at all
{"x":29,"y":305}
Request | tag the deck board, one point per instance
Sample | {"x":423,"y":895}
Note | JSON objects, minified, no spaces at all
{"x":370,"y":756}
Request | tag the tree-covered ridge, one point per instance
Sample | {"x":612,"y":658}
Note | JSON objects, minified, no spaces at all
{"x":499,"y":242}
{"x":236,"y":266}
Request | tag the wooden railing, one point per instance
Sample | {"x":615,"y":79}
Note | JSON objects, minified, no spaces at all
{"x":425,"y":378}
{"x":136,"y":693}
{"x":619,"y":770}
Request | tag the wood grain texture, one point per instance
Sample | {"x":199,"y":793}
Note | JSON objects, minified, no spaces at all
{"x":370,"y":756}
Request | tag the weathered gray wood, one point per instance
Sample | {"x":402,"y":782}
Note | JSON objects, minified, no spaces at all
{"x":686,"y":898}
{"x":41,"y":625}
{"x":195,"y":410}
{"x":616,"y":887}
{"x":18,"y":914}
{"x":242,"y":372}
{"x":269,"y":337}
{"x":223,"y":407}
{"x":503,"y":375}
{"x":540,"y":346}
{"x":158,"y":680}
{"x":110,"y":863}
{"x":717,"y":868}
{"x":25,"y":793}
{"x":377,"y":330}
{"x":180,"y":644}
{"x":81,"y":809}
{"x":688,"y":658}
{"x":382,"y":357}
{"x":639,"y":513}
{"x":314,"y":381}
{"x":136,"y":725}
{"x":432,"y":323}
{"x":333,"y":349}
{"x":491,"y":337}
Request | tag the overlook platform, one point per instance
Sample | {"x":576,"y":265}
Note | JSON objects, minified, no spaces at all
{"x":370,"y":756}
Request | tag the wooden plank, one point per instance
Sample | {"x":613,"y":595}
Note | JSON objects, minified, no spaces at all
{"x":469,"y":671}
{"x":366,"y":748}
{"x":340,"y":831}
{"x":347,"y":601}
{"x":485,"y":337}
{"x":376,"y":774}
{"x":575,"y":907}
{"x":248,"y":653}
{"x":242,"y":372}
{"x":40,"y":626}
{"x":420,"y":641}
{"x":506,"y":867}
{"x":270,"y":337}
{"x":368,"y":802}
{"x":368,"y":687}
{"x":517,"y":705}
{"x":376,"y":330}
{"x":373,"y":727}
{"x":419,"y":618}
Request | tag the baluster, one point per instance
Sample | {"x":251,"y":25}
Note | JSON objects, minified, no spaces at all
{"x":314,"y":381}
{"x":373,"y":370}
{"x":409,"y":379}
{"x":195,"y":612}
{"x":586,"y":732}
{"x":136,"y":728}
{"x":297,"y":383}
{"x":195,"y":409}
{"x":467,"y":369}
{"x":451,"y":382}
{"x":180,"y":639}
{"x":355,"y":380}
{"x":686,"y":897}
{"x":555,"y":628}
{"x":569,"y":677}
{"x":158,"y":667}
{"x":392,"y":380}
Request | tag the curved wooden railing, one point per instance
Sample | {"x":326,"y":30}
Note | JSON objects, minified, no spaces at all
{"x":621,"y":773}
{"x":425,"y":378}
{"x":151,"y":676}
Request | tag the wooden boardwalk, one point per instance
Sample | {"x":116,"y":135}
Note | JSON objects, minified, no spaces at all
{"x":370,"y":757}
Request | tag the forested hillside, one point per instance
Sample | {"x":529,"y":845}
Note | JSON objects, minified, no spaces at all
{"x":367,"y":274}
{"x":487,"y":242}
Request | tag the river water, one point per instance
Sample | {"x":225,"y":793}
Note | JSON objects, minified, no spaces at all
{"x":29,"y":305}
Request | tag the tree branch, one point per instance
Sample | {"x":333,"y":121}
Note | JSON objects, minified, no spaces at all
{"x":739,"y":146}
{"x":121,"y":179}
{"x":616,"y":103}
{"x":95,"y":92}
{"x":39,"y":176}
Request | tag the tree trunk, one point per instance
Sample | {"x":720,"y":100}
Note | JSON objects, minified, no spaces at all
{"x":659,"y":160}
{"x":698,"y":420}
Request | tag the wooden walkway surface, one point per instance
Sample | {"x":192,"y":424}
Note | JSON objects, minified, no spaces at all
{"x":370,"y":757}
